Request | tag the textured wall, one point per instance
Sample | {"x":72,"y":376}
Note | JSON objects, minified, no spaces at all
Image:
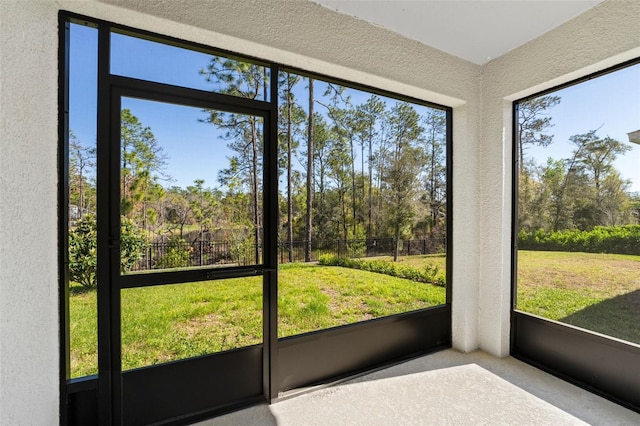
{"x":603,"y":36}
{"x":28,"y":214}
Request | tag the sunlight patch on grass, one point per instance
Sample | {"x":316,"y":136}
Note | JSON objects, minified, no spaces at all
{"x":348,"y":296}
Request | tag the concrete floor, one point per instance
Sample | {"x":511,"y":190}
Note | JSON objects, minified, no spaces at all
{"x":445,"y":388}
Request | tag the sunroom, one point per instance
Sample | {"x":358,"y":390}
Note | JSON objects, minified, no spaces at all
{"x":213,"y":205}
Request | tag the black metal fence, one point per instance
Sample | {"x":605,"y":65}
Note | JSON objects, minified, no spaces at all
{"x":358,"y":248}
{"x":171,"y":254}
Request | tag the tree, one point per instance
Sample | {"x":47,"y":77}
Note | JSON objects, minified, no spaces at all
{"x":533,"y":121}
{"x":202,"y":205}
{"x":582,"y":200}
{"x":244,"y":132}
{"x":554,"y":182}
{"x":321,"y":149}
{"x":142,"y":165}
{"x":338,"y":161}
{"x":291,"y":118}
{"x":562,"y":217}
{"x":368,"y":115}
{"x":402,"y":163}
{"x":83,"y":249}
{"x":308,"y":218}
{"x":595,"y":156}
{"x":435,"y":170}
{"x":342,"y":115}
{"x":178,"y":210}
{"x":614,"y":201}
{"x":81,"y":163}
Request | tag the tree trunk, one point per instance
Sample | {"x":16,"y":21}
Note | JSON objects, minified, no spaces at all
{"x":81,"y":195}
{"x":370,"y":164}
{"x":396,"y":239}
{"x":289,"y":195}
{"x":254,"y":190}
{"x":308,"y":221}
{"x":353,"y":186}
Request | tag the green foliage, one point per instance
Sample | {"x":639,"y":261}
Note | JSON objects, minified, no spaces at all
{"x":82,"y":252}
{"x":177,"y":255}
{"x":242,"y":246}
{"x":82,"y":249}
{"x":357,"y":244}
{"x":601,"y":239}
{"x":132,"y":244}
{"x":142,"y":163}
{"x":582,"y":191}
{"x":427,"y":274}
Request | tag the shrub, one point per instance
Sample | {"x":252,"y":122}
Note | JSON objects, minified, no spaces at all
{"x":132,"y":244}
{"x":177,"y":256}
{"x":82,"y":252}
{"x":601,"y":239}
{"x":83,"y":249}
{"x":428,"y":274}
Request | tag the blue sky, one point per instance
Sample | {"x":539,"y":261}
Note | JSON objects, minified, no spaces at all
{"x":195,"y":151}
{"x":610,"y":103}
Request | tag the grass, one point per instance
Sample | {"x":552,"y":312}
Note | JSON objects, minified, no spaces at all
{"x":598,"y":292}
{"x":314,"y":297}
{"x":165,"y":323}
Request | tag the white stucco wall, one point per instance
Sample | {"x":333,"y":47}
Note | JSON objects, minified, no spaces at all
{"x":28,"y":215}
{"x":321,"y":41}
{"x":603,"y":36}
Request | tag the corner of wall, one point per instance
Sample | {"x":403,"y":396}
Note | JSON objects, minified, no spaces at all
{"x":597,"y":39}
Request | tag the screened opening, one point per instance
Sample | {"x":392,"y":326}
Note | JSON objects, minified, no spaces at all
{"x":223,"y":211}
{"x":145,"y":59}
{"x":180,"y":321}
{"x":578,"y":236}
{"x":363,"y":205}
{"x":191,"y":187}
{"x":81,"y":202}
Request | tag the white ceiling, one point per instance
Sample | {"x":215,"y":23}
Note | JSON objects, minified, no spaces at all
{"x":475,"y":30}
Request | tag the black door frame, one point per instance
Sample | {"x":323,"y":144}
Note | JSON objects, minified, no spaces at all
{"x":286,"y":363}
{"x":153,"y":384}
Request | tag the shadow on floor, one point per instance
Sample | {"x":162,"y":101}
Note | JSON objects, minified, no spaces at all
{"x":447,"y":387}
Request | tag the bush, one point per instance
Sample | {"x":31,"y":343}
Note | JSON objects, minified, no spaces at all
{"x":82,"y":252}
{"x":428,"y":274}
{"x":177,"y":256}
{"x":601,"y":239}
{"x":132,"y":244}
{"x":83,"y":249}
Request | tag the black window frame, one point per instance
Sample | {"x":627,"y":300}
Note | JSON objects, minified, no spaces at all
{"x":570,"y":353}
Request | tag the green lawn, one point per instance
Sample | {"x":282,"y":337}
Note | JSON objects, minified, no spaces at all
{"x":172,"y":322}
{"x":599,"y":292}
